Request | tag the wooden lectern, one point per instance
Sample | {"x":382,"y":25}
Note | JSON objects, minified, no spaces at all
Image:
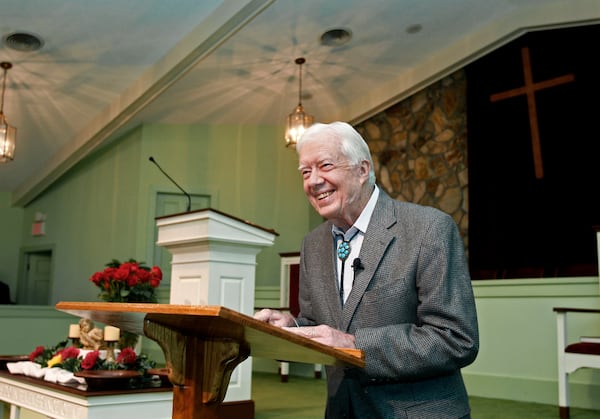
{"x":213,"y":263}
{"x":203,"y":344}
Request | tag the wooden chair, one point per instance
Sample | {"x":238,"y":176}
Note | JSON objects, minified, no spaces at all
{"x":572,"y":356}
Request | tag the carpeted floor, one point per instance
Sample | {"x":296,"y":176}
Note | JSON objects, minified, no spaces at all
{"x":304,"y":398}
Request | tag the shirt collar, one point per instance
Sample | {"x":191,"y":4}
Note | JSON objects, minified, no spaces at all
{"x":365,"y":216}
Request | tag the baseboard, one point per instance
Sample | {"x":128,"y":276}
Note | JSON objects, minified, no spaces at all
{"x":530,"y":390}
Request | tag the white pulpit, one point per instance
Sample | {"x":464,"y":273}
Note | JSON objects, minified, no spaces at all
{"x":214,"y":263}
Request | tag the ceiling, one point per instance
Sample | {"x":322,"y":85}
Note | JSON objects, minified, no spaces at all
{"x":108,"y":66}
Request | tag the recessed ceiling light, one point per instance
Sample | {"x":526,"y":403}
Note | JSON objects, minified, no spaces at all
{"x":336,"y":37}
{"x":23,"y":41}
{"x":412,"y":29}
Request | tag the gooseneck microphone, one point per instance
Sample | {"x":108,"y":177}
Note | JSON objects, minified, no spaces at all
{"x":189,"y":198}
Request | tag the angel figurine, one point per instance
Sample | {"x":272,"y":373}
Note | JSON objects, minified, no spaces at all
{"x":90,"y":336}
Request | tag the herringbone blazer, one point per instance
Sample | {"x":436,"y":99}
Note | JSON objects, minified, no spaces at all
{"x":411,"y":310}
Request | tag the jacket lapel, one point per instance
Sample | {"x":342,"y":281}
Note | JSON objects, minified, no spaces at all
{"x":331,"y":293}
{"x":377,"y":239}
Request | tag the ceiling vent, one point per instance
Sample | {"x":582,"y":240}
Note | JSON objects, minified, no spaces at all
{"x":336,"y":37}
{"x":23,"y":41}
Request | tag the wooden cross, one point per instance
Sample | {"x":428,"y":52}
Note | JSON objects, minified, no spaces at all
{"x":529,"y":89}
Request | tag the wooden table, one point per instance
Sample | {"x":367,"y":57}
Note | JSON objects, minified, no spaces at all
{"x":61,"y":401}
{"x":203,"y":344}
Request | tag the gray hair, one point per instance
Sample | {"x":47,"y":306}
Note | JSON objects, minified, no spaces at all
{"x":352,"y":145}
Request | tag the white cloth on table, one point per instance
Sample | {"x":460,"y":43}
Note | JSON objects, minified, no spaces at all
{"x":53,"y":375}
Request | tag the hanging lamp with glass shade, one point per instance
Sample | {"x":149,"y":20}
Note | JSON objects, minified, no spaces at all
{"x":8,"y":133}
{"x":298,"y":121}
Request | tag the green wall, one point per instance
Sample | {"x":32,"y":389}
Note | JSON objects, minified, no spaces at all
{"x":11,"y":225}
{"x":518,"y":357}
{"x":90,"y":214}
{"x":104,"y":207}
{"x":248,"y":172}
{"x":26,"y":327}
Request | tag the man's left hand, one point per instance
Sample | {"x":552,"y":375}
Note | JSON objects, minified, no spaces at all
{"x":325,"y":335}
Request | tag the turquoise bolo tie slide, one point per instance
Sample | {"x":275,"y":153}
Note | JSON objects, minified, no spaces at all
{"x":344,"y":250}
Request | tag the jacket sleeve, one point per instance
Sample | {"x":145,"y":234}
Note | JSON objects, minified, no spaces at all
{"x":419,"y":319}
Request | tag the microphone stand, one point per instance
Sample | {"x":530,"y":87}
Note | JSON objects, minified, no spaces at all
{"x":189,"y":198}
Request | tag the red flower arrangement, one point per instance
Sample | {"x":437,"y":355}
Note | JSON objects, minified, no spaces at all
{"x":68,"y":358}
{"x":37,"y":355}
{"x":126,"y":360}
{"x":48,"y":357}
{"x":90,"y":361}
{"x":62,"y":356}
{"x":127,"y":356}
{"x":127,"y":282}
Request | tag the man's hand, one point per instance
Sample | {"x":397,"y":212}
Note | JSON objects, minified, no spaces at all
{"x":325,"y":335}
{"x":274,"y":317}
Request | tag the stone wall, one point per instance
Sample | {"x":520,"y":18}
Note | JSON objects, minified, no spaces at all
{"x":419,"y":148}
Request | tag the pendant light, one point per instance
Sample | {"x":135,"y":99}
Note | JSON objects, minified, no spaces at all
{"x":8,"y":133}
{"x":298,"y":121}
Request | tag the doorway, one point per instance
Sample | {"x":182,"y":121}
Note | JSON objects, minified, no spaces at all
{"x":36,"y":279}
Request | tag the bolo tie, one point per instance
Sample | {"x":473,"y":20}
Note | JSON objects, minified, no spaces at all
{"x":343,"y":252}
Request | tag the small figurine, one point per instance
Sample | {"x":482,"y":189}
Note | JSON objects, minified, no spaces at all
{"x":90,"y":336}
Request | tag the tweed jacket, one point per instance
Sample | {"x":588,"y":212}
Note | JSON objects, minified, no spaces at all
{"x":411,"y":310}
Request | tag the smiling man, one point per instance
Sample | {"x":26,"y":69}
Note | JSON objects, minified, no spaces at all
{"x":387,"y":277}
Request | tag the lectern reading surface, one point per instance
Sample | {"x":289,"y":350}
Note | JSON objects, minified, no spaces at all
{"x":203,"y":344}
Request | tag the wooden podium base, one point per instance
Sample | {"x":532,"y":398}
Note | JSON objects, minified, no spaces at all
{"x":242,"y":409}
{"x":203,"y":344}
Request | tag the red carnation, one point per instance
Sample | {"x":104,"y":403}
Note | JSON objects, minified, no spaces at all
{"x":69,"y":352}
{"x":97,"y":278}
{"x":121,"y":273}
{"x":144,"y":275}
{"x":89,"y":362}
{"x":156,"y":273}
{"x":127,"y":356}
{"x":36,"y":352}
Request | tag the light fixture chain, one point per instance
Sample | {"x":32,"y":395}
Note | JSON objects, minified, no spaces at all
{"x":4,"y":65}
{"x":300,"y":85}
{"x":3,"y":90}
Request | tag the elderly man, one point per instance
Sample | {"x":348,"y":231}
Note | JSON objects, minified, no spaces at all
{"x":387,"y":277}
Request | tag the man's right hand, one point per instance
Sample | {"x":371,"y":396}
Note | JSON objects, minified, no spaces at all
{"x":275,"y":317}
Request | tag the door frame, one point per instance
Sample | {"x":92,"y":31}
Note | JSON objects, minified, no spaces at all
{"x":22,"y":278}
{"x":154,"y":191}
